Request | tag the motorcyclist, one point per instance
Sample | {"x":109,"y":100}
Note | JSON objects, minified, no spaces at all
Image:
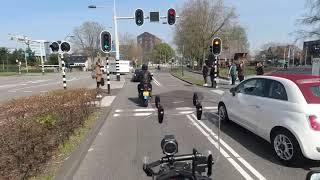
{"x":145,"y":77}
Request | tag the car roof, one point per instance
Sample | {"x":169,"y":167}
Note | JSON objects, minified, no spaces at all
{"x":298,"y":78}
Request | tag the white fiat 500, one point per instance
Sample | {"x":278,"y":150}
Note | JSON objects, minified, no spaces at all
{"x":283,"y":109}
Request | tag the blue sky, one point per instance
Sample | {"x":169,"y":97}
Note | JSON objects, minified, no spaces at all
{"x":265,"y":20}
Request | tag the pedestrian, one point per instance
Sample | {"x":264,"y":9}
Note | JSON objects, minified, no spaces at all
{"x":98,"y":77}
{"x":212,"y":77}
{"x":286,"y":66}
{"x":233,"y":73}
{"x":240,"y":70}
{"x":259,"y":69}
{"x":205,"y":74}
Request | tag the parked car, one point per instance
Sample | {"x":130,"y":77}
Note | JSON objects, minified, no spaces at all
{"x":135,"y":76}
{"x":282,"y":109}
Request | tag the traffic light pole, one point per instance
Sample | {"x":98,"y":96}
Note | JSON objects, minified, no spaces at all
{"x":64,"y":80}
{"x":215,"y":71}
{"x":108,"y":75}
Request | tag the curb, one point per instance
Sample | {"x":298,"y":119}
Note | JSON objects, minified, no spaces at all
{"x":182,"y":79}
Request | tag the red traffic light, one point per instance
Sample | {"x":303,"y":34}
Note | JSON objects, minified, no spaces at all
{"x":171,"y":16}
{"x":172,"y":12}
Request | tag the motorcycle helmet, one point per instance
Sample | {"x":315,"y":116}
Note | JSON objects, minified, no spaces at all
{"x":144,"y":67}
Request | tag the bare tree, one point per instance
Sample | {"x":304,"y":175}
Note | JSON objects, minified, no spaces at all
{"x":310,"y":19}
{"x":200,"y":20}
{"x":86,"y":38}
{"x":128,"y":47}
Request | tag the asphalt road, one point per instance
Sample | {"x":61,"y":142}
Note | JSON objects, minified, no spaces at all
{"x":26,"y":85}
{"x":131,"y":133}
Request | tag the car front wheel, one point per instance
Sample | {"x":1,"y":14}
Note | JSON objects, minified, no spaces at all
{"x":222,"y":112}
{"x":286,"y":147}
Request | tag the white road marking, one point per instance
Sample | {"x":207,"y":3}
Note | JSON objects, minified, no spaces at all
{"x":222,"y":151}
{"x":185,"y":112}
{"x":142,"y":114}
{"x":116,"y":115}
{"x":176,"y":102}
{"x":220,"y":92}
{"x":210,"y":108}
{"x":142,"y":110}
{"x":107,"y":100}
{"x":157,"y":82}
{"x":118,"y":110}
{"x":43,"y":91}
{"x":184,"y":108}
{"x":91,"y":149}
{"x":232,"y":151}
{"x":27,"y":91}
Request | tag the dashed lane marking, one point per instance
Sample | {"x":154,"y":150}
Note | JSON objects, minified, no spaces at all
{"x":116,"y":115}
{"x":217,"y":91}
{"x":142,"y":114}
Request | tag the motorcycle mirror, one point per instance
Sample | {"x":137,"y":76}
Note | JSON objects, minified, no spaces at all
{"x":313,"y":175}
{"x":195,"y":99}
{"x":209,"y":163}
{"x":160,"y":114}
{"x":157,"y":101}
{"x":199,"y":110}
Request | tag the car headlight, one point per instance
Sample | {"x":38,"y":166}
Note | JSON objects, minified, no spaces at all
{"x":169,"y":145}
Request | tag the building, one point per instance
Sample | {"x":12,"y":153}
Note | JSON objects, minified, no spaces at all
{"x":147,"y":42}
{"x":40,"y":47}
{"x":311,"y":50}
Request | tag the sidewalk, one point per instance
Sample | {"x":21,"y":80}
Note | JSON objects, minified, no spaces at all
{"x":222,"y":83}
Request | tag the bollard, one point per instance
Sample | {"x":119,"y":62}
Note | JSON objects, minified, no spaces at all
{"x":108,"y":75}
{"x":64,"y":74}
{"x":195,"y":99}
{"x":118,"y":69}
{"x":199,"y":111}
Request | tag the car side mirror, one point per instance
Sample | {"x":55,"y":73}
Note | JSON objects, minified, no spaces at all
{"x":233,"y":91}
{"x":313,"y":175}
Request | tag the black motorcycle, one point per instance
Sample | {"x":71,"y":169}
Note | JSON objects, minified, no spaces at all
{"x":184,"y":167}
{"x":172,"y":166}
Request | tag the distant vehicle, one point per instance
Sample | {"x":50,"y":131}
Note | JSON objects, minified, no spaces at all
{"x":124,"y":67}
{"x":282,"y":109}
{"x":135,"y":76}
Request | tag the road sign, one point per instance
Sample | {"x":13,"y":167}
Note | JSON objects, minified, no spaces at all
{"x":154,"y":17}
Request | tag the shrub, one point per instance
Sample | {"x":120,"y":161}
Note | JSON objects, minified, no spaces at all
{"x":32,"y":128}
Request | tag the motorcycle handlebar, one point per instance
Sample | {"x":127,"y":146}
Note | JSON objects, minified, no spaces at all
{"x":170,"y":159}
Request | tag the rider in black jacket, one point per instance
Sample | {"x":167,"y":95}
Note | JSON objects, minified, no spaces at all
{"x":145,"y":77}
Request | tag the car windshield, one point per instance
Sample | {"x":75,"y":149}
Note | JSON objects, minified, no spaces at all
{"x":88,"y":88}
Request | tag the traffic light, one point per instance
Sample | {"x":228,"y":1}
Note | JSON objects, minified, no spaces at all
{"x":171,"y":16}
{"x":65,"y":47}
{"x":139,"y":17}
{"x":216,"y":46}
{"x":105,"y":41}
{"x":54,"y":47}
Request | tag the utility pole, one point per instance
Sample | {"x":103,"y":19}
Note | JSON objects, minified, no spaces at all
{"x":116,"y":39}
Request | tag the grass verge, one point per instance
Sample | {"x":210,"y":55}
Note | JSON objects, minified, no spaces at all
{"x":8,"y":73}
{"x":193,"y":80}
{"x":65,"y":150}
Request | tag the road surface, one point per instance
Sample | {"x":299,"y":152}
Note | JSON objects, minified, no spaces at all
{"x":131,"y":133}
{"x":26,"y":85}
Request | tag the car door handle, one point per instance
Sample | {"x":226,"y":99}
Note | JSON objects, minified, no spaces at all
{"x":256,"y":106}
